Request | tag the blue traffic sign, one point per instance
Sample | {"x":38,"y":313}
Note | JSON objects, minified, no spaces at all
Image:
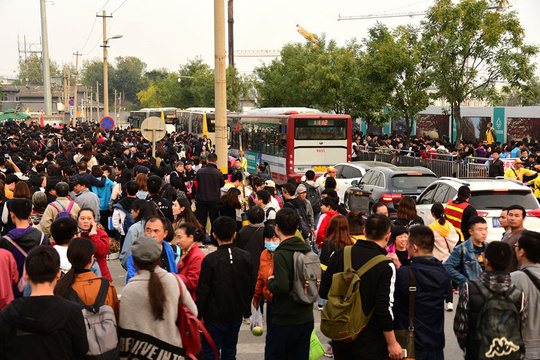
{"x":107,"y":123}
{"x":71,"y":102}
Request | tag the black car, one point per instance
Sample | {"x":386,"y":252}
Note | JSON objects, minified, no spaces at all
{"x":387,"y":185}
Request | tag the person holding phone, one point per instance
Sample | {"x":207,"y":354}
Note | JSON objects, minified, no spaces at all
{"x":88,"y":227}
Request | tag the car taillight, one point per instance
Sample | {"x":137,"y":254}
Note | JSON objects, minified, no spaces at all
{"x":390,"y":197}
{"x":482,"y":213}
{"x":534,"y":213}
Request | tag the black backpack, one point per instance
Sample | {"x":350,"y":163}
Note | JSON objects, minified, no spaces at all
{"x":498,"y":330}
{"x":314,"y":197}
{"x":303,"y":224}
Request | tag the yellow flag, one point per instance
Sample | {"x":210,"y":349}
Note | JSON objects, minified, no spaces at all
{"x":27,"y":110}
{"x":162,"y":115}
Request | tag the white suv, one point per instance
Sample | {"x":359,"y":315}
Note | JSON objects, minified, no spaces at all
{"x":488,"y":196}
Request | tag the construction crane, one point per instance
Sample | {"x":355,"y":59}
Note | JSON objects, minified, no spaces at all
{"x":379,"y":16}
{"x":494,"y":6}
{"x":274,"y":53}
{"x":309,"y":36}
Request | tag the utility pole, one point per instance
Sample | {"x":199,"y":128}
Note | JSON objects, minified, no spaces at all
{"x":115,"y":112}
{"x":45,"y":59}
{"x":85,"y":105}
{"x":74,"y":121}
{"x":105,"y":66}
{"x":97,"y":100}
{"x":231,"y":33}
{"x":65,"y":90}
{"x":91,"y":104}
{"x":220,"y":85}
{"x":69,"y":94}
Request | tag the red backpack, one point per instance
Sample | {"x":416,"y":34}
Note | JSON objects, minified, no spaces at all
{"x":190,"y":329}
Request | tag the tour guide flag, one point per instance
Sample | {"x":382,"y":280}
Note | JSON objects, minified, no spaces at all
{"x":204,"y":126}
{"x":42,"y":122}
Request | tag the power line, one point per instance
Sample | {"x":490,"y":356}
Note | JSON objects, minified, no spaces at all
{"x":119,"y":7}
{"x":88,"y":38}
{"x":103,"y":7}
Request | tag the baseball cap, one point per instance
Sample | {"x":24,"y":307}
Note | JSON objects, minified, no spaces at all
{"x":80,"y":180}
{"x":270,"y":183}
{"x":301,"y":189}
{"x":331,"y":169}
{"x":143,"y":170}
{"x":519,"y":161}
{"x":146,"y":249}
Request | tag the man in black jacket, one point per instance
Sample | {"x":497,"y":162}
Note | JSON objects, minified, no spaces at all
{"x":154,"y":185}
{"x":377,"y":340}
{"x":209,"y":181}
{"x":496,"y":166}
{"x":432,"y":284}
{"x":42,"y":326}
{"x":225,"y":289}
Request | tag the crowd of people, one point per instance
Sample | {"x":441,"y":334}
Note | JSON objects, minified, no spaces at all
{"x":226,"y":246}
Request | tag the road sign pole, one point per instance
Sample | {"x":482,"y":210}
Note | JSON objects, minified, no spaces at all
{"x":154,"y":143}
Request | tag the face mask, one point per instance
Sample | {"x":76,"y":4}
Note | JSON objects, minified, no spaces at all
{"x":271,"y":246}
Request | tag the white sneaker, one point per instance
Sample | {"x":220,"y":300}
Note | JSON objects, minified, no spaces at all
{"x":449,"y":306}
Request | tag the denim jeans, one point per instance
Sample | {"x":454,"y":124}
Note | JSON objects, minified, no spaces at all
{"x":288,"y":342}
{"x":225,"y":336}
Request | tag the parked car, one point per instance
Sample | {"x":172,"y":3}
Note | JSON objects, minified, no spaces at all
{"x":388,"y":185}
{"x":488,"y":196}
{"x":348,"y":172}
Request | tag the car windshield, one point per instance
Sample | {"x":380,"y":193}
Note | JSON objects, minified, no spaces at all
{"x":412,"y":182}
{"x":486,"y":200}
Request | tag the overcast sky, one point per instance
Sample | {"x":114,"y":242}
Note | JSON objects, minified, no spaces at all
{"x":166,"y":33}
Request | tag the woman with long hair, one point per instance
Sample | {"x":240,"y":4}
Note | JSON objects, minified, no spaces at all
{"x":181,"y":209}
{"x":21,"y":191}
{"x":151,"y":297}
{"x":257,"y":183}
{"x":398,"y":247}
{"x":446,"y":239}
{"x":328,"y":210}
{"x":86,"y":284}
{"x":337,"y":237}
{"x":89,"y":230}
{"x":141,"y":210}
{"x":188,"y":239}
{"x":120,"y":184}
{"x":356,"y":225}
{"x":406,"y":213}
{"x":141,"y":180}
{"x":230,"y":206}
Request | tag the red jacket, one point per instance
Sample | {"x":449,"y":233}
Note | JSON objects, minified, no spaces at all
{"x":9,"y":276}
{"x":189,"y":269}
{"x":323,"y":224}
{"x":265,"y":270}
{"x":101,"y":242}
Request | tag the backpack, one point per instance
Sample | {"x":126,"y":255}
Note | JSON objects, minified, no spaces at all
{"x":343,"y":317}
{"x":498,"y":330}
{"x":100,"y":324}
{"x":314,"y":197}
{"x":21,"y":284}
{"x":303,"y":224}
{"x":128,"y":220}
{"x":272,"y":221}
{"x":65,"y":212}
{"x":306,"y":278}
{"x":190,"y":328}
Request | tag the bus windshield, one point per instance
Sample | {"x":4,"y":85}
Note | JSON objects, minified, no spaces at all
{"x":320,"y":129}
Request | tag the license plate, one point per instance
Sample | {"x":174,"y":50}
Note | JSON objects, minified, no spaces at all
{"x":496,"y":222}
{"x":319,"y":168}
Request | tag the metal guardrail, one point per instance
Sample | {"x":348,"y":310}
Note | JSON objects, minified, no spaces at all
{"x":440,"y":164}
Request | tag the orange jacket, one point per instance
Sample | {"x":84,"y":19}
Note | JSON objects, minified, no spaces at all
{"x":266,"y":268}
{"x":87,"y":286}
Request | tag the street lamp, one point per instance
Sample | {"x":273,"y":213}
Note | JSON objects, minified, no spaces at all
{"x":106,"y":70}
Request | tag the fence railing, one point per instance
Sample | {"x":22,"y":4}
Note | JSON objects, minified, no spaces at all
{"x":440,"y":164}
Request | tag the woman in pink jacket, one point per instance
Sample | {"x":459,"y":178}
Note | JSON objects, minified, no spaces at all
{"x":89,"y":230}
{"x":189,"y":268}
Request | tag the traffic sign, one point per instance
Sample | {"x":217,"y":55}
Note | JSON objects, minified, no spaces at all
{"x":71,"y":102}
{"x":153,"y":129}
{"x":107,"y":123}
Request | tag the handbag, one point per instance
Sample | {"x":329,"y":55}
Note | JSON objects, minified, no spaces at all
{"x":316,"y":349}
{"x":405,"y":337}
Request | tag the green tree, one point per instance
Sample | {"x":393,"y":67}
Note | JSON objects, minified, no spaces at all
{"x":399,"y":59}
{"x":236,"y":88}
{"x":156,"y":74}
{"x":31,"y":71}
{"x":128,"y":77}
{"x":472,"y":44}
{"x":1,"y":97}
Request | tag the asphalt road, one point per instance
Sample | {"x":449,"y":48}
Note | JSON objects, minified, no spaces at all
{"x":251,"y":347}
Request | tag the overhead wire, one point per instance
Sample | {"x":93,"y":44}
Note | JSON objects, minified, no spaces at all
{"x":122,"y":4}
